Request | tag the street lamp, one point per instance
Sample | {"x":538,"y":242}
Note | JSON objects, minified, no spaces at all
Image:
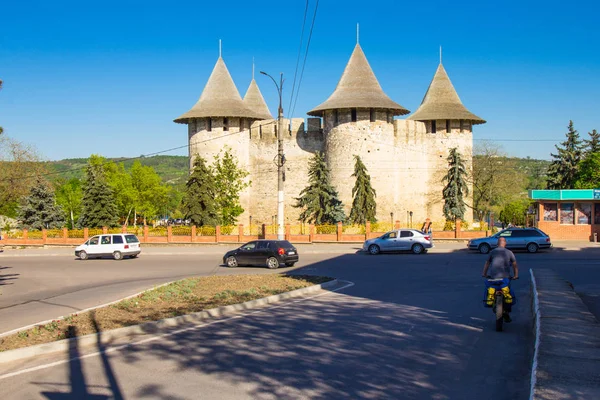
{"x":279,"y":159}
{"x":392,"y":219}
{"x":411,"y":213}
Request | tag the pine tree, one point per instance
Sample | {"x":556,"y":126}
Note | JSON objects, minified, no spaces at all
{"x":562,"y":173}
{"x":98,"y":206}
{"x":456,"y":187}
{"x":39,"y":210}
{"x":319,"y":200}
{"x":592,"y":145}
{"x":364,"y":207}
{"x":200,"y":204}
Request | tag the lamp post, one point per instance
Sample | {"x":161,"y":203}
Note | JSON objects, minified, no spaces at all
{"x":392,"y":219}
{"x":280,"y":158}
{"x":411,"y":213}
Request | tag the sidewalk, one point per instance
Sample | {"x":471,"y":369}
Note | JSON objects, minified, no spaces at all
{"x":567,"y":358}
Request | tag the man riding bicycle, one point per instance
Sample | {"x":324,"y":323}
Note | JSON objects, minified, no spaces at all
{"x":498,"y":266}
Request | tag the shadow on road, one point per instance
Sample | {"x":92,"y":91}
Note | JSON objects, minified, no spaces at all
{"x":6,"y":279}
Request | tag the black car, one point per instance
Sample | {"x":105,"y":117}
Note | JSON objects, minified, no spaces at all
{"x":271,"y":253}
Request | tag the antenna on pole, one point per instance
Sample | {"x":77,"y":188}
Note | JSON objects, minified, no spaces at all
{"x":357,"y":33}
{"x":220,"y":50}
{"x":440,"y":54}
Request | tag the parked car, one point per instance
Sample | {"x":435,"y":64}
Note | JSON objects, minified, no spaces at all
{"x":530,"y":239}
{"x":271,"y":253}
{"x":399,"y":240}
{"x":115,"y":245}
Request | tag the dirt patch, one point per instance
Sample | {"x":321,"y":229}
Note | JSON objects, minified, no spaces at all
{"x":178,"y":298}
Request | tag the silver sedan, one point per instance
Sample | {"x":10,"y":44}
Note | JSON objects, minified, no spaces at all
{"x":399,"y":240}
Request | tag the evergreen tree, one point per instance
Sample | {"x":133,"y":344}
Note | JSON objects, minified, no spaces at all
{"x":98,"y":206}
{"x":592,"y":145}
{"x":200,"y":204}
{"x":319,"y":200}
{"x":230,"y":182}
{"x":364,"y":207}
{"x":562,"y":172}
{"x":39,"y":210}
{"x":456,"y":187}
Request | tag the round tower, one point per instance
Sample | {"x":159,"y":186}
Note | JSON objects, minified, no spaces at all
{"x":358,"y":119}
{"x":216,"y":120}
{"x":448,"y":124}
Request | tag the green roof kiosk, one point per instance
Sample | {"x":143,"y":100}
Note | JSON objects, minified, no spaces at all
{"x":570,"y":214}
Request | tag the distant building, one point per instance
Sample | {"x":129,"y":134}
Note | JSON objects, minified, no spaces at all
{"x":568,"y":214}
{"x":406,"y":158}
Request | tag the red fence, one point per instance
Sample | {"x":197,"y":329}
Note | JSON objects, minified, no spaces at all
{"x":222,"y":234}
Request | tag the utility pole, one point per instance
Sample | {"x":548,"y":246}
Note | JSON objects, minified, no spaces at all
{"x":280,"y":158}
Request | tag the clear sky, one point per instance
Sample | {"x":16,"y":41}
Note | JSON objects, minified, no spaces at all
{"x":109,"y":77}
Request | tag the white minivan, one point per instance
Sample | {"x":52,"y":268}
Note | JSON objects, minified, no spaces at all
{"x":117,"y":245}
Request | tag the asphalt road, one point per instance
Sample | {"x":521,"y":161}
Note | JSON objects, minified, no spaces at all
{"x":409,"y":327}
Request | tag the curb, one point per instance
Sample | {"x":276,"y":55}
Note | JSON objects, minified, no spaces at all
{"x":152,"y":327}
{"x":536,"y":326}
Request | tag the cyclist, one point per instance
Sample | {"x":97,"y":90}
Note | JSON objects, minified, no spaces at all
{"x":498,"y":266}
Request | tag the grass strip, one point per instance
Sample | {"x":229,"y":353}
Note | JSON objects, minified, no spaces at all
{"x":178,"y":298}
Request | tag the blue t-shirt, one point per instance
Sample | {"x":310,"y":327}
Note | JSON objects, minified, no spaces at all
{"x":500,"y":261}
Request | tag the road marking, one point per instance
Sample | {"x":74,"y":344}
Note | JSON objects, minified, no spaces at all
{"x":166,"y":335}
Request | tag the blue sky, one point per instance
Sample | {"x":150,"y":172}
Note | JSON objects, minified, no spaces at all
{"x":109,"y":78}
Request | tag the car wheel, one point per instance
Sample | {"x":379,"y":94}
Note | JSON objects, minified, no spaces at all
{"x":117,"y":255}
{"x":532,"y":248}
{"x":484,"y":248}
{"x":374,"y":249}
{"x":231,"y":262}
{"x":417,"y":248}
{"x":83,"y":255}
{"x":272,"y":263}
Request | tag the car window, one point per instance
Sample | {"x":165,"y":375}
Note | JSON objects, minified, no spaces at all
{"x":94,"y":240}
{"x":249,"y":246}
{"x":505,"y":234}
{"x":262,"y":245}
{"x":105,"y":240}
{"x":534,"y":233}
{"x":117,"y":239}
{"x":131,"y":239}
{"x":406,"y":234}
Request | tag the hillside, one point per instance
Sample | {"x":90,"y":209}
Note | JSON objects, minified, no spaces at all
{"x":172,"y":169}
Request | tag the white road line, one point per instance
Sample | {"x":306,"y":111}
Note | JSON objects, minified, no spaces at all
{"x":166,"y":335}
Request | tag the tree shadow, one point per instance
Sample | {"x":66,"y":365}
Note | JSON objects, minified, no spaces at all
{"x":6,"y":279}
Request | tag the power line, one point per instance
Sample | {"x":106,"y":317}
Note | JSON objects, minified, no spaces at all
{"x":305,"y":56}
{"x":298,"y":58}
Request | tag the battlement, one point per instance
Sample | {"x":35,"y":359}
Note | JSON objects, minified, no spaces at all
{"x":266,"y":130}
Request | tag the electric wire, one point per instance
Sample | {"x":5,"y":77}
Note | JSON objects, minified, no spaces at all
{"x":298,"y":58}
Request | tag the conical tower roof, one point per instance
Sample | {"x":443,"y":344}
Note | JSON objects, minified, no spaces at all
{"x":442,"y":102}
{"x":220,"y":98}
{"x":358,"y":88}
{"x":255,"y":102}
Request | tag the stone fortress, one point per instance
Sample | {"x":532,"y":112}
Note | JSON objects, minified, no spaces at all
{"x":406,"y":158}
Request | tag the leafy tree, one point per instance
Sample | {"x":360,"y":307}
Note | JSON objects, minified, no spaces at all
{"x":496,"y":179}
{"x":593,"y":144}
{"x":230,"y":182}
{"x":98,"y":206}
{"x":150,"y":194}
{"x":514,"y":212}
{"x":200,"y":204}
{"x":319,"y":199}
{"x":588,"y":176}
{"x":68,"y":196}
{"x":19,"y":167}
{"x":121,"y":183}
{"x":39,"y":210}
{"x":562,"y":173}
{"x":364,"y":207}
{"x":456,"y":186}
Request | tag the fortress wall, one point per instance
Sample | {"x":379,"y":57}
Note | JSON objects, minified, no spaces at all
{"x":299,"y":146}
